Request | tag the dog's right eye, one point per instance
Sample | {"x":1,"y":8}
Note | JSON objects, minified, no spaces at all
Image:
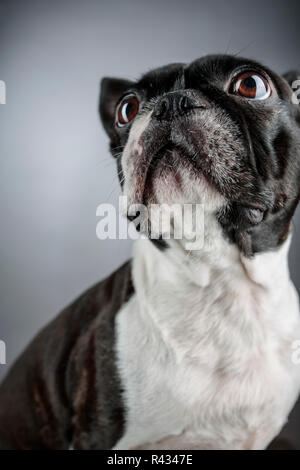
{"x":127,"y":110}
{"x":252,"y":86}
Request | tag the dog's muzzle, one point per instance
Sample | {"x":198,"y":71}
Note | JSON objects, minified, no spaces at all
{"x":175,"y":104}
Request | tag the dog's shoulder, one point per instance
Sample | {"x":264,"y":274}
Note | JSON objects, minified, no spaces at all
{"x":92,"y":379}
{"x":53,"y":388}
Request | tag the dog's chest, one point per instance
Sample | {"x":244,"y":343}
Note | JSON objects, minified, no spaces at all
{"x":206,"y":366}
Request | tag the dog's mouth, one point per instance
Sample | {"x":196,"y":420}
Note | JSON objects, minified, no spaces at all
{"x":174,"y":172}
{"x":163,"y":160}
{"x":173,"y":168}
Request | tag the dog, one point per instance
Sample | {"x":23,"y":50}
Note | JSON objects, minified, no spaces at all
{"x":181,"y":349}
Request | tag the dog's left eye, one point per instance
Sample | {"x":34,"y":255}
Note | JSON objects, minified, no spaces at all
{"x":127,"y":110}
{"x":252,"y":86}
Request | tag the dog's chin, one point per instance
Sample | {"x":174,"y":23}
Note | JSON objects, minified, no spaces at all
{"x":174,"y":178}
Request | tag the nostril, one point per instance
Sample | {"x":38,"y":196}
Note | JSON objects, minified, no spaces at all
{"x":184,"y":103}
{"x":164,"y":107}
{"x":175,"y":104}
{"x":161,"y":108}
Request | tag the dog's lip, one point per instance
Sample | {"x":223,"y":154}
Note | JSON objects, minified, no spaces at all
{"x":252,"y":205}
{"x":155,"y":158}
{"x":160,"y":153}
{"x":169,"y":147}
{"x":256,"y":210}
{"x":153,"y":163}
{"x":254,"y":215}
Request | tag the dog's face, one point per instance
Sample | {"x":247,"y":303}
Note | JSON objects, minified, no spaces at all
{"x":222,"y":131}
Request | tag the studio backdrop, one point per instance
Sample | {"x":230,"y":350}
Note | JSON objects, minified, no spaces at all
{"x":55,"y":167}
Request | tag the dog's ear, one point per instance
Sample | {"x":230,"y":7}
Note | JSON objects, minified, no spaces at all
{"x":111,"y":91}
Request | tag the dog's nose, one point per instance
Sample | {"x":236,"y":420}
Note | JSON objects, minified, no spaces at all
{"x":172,"y":105}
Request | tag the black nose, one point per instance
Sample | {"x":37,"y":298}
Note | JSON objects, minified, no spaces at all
{"x":172,"y":105}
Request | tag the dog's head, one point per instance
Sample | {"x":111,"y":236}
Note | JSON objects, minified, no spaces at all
{"x":221,"y":131}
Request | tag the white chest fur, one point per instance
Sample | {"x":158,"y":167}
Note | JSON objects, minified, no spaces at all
{"x":204,"y":349}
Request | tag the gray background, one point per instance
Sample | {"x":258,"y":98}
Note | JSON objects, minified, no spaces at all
{"x":54,"y":162}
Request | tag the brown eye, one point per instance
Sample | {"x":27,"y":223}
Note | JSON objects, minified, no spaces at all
{"x":127,"y":110}
{"x":252,"y":86}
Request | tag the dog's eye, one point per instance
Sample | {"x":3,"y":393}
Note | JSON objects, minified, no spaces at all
{"x":127,"y":110}
{"x":252,"y":86}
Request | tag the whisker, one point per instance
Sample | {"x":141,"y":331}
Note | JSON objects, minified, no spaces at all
{"x":244,"y":48}
{"x":228,"y":44}
{"x":119,"y":147}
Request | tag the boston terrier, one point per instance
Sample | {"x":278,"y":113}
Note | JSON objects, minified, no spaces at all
{"x":181,"y":349}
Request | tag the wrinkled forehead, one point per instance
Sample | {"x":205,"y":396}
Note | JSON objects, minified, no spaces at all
{"x":213,"y":70}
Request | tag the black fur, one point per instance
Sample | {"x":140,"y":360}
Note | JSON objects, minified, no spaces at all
{"x":65,"y":387}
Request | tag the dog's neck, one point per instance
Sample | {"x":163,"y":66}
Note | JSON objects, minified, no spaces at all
{"x":182,"y":295}
{"x":217,"y":257}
